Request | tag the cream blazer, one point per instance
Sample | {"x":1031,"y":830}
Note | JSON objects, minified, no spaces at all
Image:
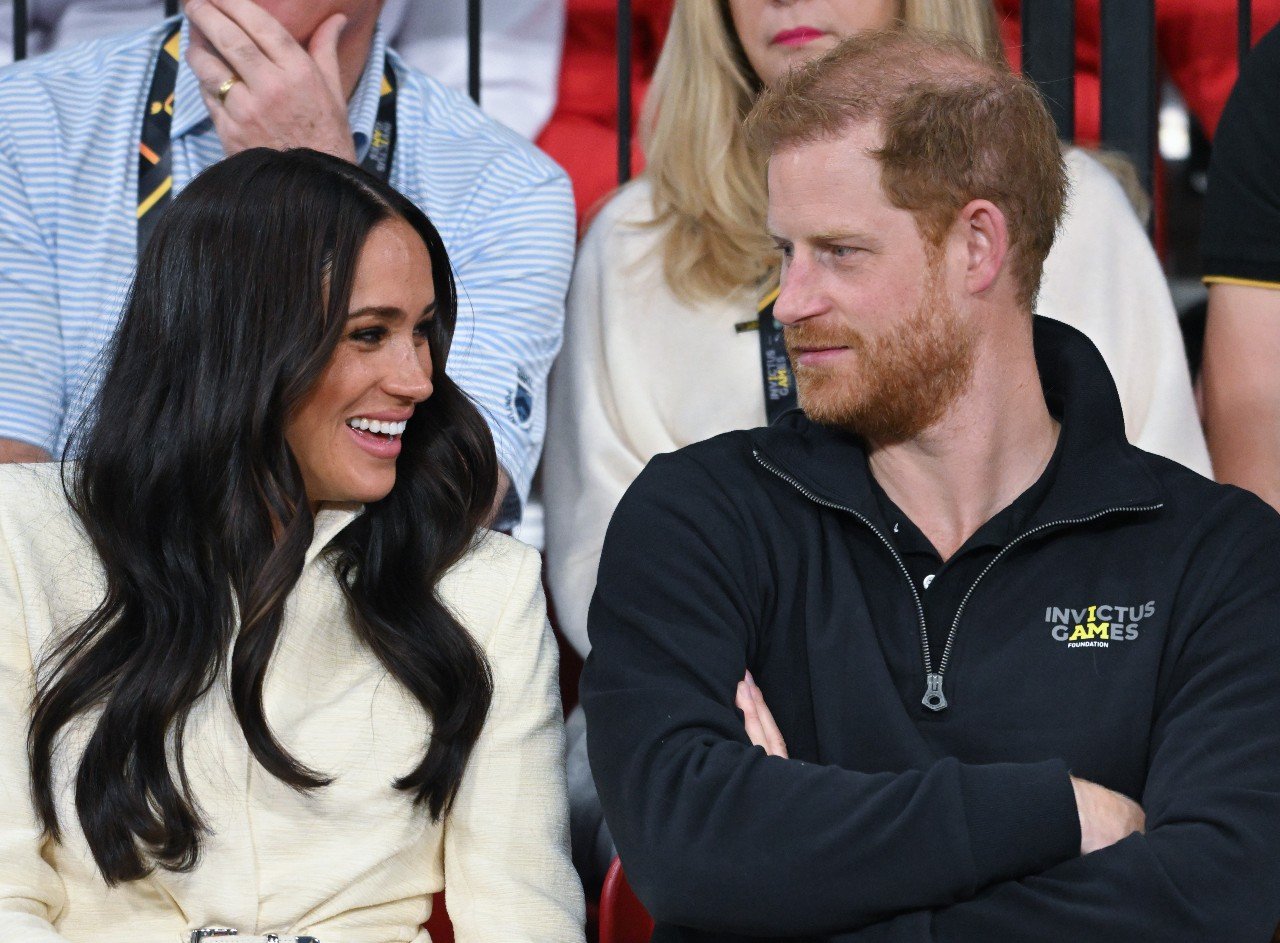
{"x":643,"y":372}
{"x":354,"y":862}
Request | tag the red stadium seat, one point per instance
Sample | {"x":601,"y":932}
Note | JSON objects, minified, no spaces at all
{"x":623,"y":918}
{"x":438,"y":926}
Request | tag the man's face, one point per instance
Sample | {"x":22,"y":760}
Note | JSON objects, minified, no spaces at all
{"x":302,"y":17}
{"x":867,"y":304}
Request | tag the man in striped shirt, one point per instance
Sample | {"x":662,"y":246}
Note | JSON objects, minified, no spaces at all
{"x":278,"y":73}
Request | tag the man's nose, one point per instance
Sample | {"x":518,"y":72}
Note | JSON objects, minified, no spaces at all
{"x":798,"y":293}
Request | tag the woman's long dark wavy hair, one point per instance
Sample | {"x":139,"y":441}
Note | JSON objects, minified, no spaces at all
{"x":194,"y":503}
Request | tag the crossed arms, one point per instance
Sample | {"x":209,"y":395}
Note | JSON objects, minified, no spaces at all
{"x":720,"y":836}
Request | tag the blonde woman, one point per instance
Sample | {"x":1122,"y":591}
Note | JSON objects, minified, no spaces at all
{"x":660,"y":349}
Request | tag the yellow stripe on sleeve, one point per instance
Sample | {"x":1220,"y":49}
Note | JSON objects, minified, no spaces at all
{"x":1246,"y":282}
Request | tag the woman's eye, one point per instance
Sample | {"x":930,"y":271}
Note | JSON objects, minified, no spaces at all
{"x":422,"y":330}
{"x":368,"y":335}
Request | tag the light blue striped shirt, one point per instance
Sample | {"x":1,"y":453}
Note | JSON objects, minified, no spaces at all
{"x":70,"y":123}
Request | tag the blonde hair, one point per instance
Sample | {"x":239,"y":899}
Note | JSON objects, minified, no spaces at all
{"x":708,"y":185}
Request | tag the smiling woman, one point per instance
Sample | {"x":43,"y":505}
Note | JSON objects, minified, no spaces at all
{"x":346,"y":433}
{"x":283,"y":681}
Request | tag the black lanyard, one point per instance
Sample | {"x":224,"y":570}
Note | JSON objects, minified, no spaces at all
{"x":775,"y":367}
{"x":155,"y":162}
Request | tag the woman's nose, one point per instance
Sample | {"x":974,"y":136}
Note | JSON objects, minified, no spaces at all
{"x":410,"y":377}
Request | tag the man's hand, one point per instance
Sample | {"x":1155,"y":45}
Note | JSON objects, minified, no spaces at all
{"x":11,"y":450}
{"x":1105,"y":815}
{"x":284,"y":96}
{"x":761,"y":728}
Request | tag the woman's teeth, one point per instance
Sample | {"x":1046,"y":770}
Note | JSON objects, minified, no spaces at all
{"x":381,"y":427}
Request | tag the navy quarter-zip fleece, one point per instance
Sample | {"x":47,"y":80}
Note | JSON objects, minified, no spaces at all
{"x":1128,"y":632}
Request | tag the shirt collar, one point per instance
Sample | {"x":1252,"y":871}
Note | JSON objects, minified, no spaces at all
{"x":330,"y":520}
{"x":191,"y":114}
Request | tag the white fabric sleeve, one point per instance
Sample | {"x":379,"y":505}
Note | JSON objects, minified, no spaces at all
{"x":31,"y":892}
{"x":508,"y":875}
{"x":589,"y":461}
{"x":1103,"y":278}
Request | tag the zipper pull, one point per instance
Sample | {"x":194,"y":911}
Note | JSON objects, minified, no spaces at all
{"x":933,"y":698}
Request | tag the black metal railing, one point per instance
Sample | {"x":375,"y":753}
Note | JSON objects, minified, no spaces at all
{"x":473,"y":49}
{"x":1048,"y":57}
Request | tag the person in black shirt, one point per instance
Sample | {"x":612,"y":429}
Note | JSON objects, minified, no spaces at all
{"x":1241,"y":247}
{"x":1011,"y":678}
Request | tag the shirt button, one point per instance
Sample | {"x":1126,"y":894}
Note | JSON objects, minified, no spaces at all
{"x":928,"y":580}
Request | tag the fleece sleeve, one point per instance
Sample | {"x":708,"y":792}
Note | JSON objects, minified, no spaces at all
{"x":718,"y":836}
{"x":1208,"y":867}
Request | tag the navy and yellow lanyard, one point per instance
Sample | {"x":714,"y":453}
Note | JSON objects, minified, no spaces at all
{"x":155,"y":165}
{"x":775,"y":367}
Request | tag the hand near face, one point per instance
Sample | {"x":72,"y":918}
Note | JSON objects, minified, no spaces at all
{"x":286,"y":96}
{"x":761,"y":728}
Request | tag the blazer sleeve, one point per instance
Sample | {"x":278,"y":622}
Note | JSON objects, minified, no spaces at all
{"x":715,"y":834}
{"x":508,"y":875}
{"x":589,"y":457}
{"x":31,"y":892}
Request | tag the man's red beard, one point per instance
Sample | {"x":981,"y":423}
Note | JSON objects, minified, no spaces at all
{"x":900,"y":383}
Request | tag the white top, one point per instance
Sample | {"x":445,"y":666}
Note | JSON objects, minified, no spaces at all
{"x":520,"y":46}
{"x":353,"y":862}
{"x":55,"y":24}
{"x":642,"y":372}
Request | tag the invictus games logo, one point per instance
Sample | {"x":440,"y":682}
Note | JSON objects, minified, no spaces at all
{"x":1097,"y":626}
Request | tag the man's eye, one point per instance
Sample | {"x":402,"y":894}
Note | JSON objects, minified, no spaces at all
{"x":842,"y":252}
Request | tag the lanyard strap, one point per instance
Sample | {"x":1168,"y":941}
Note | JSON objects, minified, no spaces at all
{"x":155,"y":160}
{"x":155,"y":176}
{"x":775,"y":366}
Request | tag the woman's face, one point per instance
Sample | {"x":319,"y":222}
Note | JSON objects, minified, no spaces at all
{"x":778,"y":35}
{"x":345,"y":435}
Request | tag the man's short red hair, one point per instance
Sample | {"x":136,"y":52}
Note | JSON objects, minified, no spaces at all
{"x":956,"y":128}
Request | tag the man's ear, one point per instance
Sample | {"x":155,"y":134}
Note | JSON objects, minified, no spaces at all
{"x":982,"y":226}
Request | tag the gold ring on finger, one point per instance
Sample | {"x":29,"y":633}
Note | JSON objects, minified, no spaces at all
{"x":225,"y":87}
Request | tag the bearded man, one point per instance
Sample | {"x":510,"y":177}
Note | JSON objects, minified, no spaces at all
{"x":1020,"y":675}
